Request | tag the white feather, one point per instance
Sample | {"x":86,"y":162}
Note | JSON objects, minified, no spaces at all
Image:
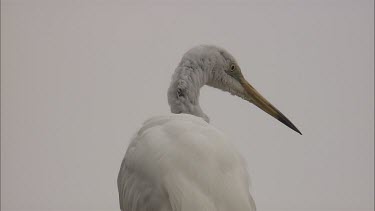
{"x":180,"y":162}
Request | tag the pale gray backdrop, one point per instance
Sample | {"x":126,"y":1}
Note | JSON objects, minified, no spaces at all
{"x":79,"y":77}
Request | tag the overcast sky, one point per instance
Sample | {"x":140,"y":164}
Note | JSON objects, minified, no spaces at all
{"x":78,"y":78}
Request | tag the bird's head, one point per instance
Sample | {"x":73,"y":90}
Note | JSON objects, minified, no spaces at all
{"x":225,"y":74}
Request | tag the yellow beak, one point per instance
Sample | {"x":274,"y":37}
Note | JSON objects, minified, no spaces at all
{"x":258,"y":100}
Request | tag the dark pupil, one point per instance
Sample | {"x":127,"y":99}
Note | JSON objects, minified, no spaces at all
{"x":232,"y":67}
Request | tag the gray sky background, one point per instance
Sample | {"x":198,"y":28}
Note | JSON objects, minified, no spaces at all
{"x":79,"y":77}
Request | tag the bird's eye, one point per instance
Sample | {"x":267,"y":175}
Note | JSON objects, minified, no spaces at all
{"x":232,"y":67}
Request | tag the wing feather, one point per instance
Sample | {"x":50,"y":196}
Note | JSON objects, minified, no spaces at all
{"x":181,"y":163}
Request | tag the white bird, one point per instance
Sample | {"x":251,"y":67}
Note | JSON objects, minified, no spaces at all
{"x":179,"y":162}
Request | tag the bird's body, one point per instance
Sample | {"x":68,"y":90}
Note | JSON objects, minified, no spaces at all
{"x":179,"y":162}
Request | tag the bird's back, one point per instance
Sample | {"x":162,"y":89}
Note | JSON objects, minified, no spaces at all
{"x":179,"y":162}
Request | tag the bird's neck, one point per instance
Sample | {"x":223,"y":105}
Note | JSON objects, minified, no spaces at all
{"x":183,"y":93}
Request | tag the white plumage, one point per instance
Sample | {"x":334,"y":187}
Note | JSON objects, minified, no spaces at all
{"x":179,"y":162}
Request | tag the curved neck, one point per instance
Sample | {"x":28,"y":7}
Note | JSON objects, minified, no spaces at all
{"x":183,"y":93}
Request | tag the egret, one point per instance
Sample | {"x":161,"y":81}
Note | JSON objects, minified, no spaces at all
{"x":179,"y":162}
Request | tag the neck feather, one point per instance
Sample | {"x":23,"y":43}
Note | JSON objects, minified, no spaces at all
{"x":183,"y":93}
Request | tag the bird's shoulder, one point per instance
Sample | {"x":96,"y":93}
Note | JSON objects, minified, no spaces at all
{"x":176,"y":132}
{"x":181,"y":151}
{"x":179,"y":142}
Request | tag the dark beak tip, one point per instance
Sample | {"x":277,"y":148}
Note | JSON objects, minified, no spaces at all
{"x":295,"y":129}
{"x":288,"y":123}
